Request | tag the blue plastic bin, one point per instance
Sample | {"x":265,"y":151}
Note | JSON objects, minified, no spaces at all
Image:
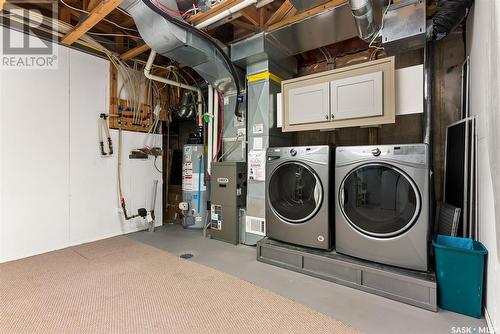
{"x":459,"y":272}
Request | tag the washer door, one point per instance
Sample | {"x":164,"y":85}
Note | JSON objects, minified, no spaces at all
{"x":295,"y":192}
{"x":379,"y":200}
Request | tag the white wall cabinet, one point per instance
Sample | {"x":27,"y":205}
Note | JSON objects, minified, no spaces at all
{"x":315,"y":99}
{"x":358,"y":95}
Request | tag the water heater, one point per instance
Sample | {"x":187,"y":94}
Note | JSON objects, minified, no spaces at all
{"x":194,"y":186}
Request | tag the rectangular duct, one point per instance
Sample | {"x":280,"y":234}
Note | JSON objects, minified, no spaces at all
{"x":302,"y":5}
{"x":328,"y":27}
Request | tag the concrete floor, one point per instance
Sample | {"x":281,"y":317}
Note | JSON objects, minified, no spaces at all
{"x":361,"y":310}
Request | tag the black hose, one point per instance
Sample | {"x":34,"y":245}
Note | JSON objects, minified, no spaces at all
{"x":184,"y":25}
{"x":449,"y":15}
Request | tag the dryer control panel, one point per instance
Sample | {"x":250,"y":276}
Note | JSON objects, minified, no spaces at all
{"x":410,"y":153}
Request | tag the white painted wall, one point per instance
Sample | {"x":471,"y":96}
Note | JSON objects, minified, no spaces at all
{"x":55,"y":188}
{"x":483,"y":47}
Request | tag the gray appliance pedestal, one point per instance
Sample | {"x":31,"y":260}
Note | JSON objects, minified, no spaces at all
{"x":407,"y":286}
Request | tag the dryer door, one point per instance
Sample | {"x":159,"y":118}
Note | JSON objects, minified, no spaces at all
{"x":295,"y":192}
{"x":379,"y":200}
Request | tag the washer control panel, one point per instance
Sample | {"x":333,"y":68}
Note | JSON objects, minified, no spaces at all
{"x":298,"y":151}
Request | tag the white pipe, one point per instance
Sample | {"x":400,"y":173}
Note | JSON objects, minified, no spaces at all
{"x":226,"y":13}
{"x":216,"y":125}
{"x":234,"y":16}
{"x":147,"y":74}
{"x":210,"y":128}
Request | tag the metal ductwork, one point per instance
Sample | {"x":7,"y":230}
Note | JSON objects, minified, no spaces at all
{"x":362,"y":11}
{"x":172,"y":37}
{"x":302,"y":5}
{"x":328,"y":27}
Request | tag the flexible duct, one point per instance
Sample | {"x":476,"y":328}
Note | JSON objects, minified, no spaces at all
{"x":362,"y":11}
{"x":147,"y":74}
{"x":186,"y":109}
{"x":449,"y":15}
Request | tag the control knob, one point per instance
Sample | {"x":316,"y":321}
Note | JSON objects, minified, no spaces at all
{"x":376,"y":152}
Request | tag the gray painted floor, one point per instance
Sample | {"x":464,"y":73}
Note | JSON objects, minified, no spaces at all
{"x":361,"y":310}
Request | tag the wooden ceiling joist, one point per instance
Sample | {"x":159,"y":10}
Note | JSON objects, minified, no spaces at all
{"x":252,"y":15}
{"x":303,"y":15}
{"x":280,"y":13}
{"x":97,"y":14}
{"x":134,"y":52}
{"x":243,"y":25}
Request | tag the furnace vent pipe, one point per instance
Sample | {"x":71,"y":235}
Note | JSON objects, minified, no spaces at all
{"x":147,"y":74}
{"x":362,"y":11}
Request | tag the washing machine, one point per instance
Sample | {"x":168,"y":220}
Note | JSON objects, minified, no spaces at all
{"x":382,"y":206}
{"x":298,"y":199}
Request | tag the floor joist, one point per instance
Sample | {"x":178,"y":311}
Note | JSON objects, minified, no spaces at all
{"x":134,"y":52}
{"x":97,"y":14}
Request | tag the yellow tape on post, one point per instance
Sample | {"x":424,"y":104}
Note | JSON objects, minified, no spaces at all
{"x":264,"y":76}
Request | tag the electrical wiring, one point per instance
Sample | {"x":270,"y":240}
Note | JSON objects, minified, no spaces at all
{"x":381,"y":27}
{"x":106,"y":20}
{"x":62,"y":28}
{"x":233,"y":147}
{"x":192,"y":11}
{"x":324,"y":54}
{"x":196,"y":9}
{"x":123,"y":11}
{"x":111,"y":34}
{"x":156,"y":167}
{"x":168,"y":9}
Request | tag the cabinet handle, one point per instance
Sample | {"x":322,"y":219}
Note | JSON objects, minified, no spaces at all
{"x":327,"y":117}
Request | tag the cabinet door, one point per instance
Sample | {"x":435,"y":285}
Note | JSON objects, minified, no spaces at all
{"x":309,"y":104}
{"x":357,"y":97}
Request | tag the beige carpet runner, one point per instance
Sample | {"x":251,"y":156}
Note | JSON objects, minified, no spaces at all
{"x":121,"y":286}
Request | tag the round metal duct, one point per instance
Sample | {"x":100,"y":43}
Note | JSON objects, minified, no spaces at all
{"x":362,"y":11}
